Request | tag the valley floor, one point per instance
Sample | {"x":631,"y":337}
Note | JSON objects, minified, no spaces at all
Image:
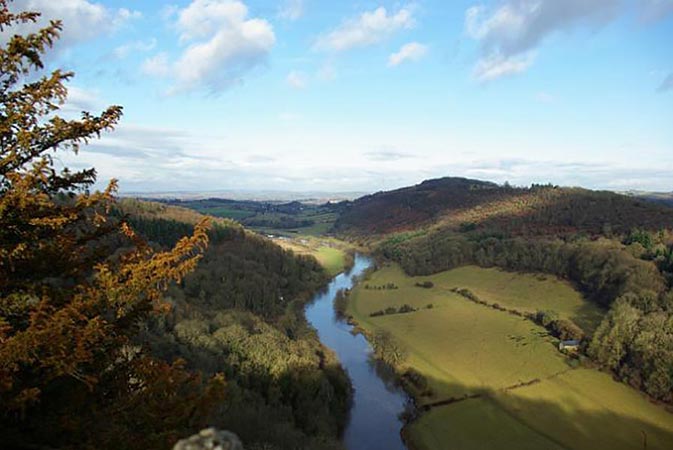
{"x":495,"y":380}
{"x":334,"y":255}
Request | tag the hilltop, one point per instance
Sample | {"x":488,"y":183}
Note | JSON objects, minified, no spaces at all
{"x":463,"y":204}
{"x":616,"y":250}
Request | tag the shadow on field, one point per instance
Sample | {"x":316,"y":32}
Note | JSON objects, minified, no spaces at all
{"x":588,"y":317}
{"x":513,"y":418}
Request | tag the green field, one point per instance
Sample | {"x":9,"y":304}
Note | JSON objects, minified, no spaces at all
{"x":332,"y":259}
{"x":330,"y":253}
{"x":524,"y":292}
{"x":322,"y":224}
{"x":463,"y":348}
{"x":227,"y":213}
{"x":270,"y":218}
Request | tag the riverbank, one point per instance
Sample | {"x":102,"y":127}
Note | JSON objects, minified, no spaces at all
{"x":375,"y":421}
{"x":334,"y":255}
{"x":483,"y":378}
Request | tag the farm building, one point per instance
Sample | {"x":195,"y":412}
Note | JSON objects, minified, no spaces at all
{"x":569,"y":345}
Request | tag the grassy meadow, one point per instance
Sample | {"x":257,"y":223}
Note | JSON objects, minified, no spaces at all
{"x":523,"y":392}
{"x":330,"y":253}
{"x":524,"y":292}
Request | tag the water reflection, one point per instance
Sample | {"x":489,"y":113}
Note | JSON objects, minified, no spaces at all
{"x":378,"y":403}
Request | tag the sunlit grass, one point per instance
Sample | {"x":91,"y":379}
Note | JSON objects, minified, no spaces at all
{"x":463,"y":348}
{"x":330,"y":253}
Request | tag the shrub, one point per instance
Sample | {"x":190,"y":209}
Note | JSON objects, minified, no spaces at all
{"x":566,"y":330}
{"x":387,"y":348}
{"x":545,"y":318}
{"x":416,"y":378}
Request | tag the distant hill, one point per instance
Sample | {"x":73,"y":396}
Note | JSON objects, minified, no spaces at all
{"x":409,"y":207}
{"x":616,"y":249}
{"x":463,"y":205}
{"x":663,"y":198}
{"x":308,"y":197}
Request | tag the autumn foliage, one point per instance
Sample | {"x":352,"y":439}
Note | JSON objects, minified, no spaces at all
{"x":70,"y":300}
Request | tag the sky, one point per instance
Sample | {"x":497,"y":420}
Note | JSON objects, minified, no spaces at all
{"x":314,"y":95}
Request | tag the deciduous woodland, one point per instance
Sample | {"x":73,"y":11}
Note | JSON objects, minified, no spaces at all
{"x":515,"y":317}
{"x":126,"y":324}
{"x":618,"y":251}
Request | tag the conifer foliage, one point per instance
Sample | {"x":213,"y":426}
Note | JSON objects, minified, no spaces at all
{"x":70,"y":303}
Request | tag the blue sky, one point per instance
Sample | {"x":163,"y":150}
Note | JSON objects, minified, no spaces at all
{"x":368,"y":95}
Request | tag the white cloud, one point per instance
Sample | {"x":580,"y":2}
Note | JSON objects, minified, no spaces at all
{"x":125,"y":50}
{"x":168,"y":12}
{"x":83,"y":20}
{"x":80,"y":99}
{"x":296,"y":80}
{"x":369,"y":28}
{"x":157,"y":66}
{"x":497,"y":66}
{"x":412,"y":51}
{"x":223,"y":44}
{"x":291,"y":10}
{"x":203,"y":18}
{"x":509,"y":33}
{"x":123,"y":15}
{"x":387,"y":154}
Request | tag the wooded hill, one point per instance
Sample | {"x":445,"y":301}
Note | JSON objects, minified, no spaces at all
{"x":663,"y":198}
{"x":240,"y":313}
{"x":617,"y":250}
{"x":462,"y":204}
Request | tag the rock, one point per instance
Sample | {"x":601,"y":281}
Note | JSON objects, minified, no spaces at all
{"x":210,"y":439}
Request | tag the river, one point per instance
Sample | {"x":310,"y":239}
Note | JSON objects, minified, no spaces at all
{"x":377,"y":403}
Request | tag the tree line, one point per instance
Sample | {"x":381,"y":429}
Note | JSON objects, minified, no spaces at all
{"x":634,"y":340}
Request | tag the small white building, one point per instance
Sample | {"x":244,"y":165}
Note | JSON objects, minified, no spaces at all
{"x":573,"y":344}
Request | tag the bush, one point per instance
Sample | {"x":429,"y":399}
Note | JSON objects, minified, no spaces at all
{"x":416,"y":378}
{"x":566,"y":330}
{"x":406,"y":309}
{"x":387,"y":348}
{"x":425,"y":285}
{"x":545,"y":318}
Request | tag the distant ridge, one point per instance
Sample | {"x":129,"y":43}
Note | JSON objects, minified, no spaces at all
{"x":453,"y":203}
{"x":314,"y":197}
{"x":663,"y":198}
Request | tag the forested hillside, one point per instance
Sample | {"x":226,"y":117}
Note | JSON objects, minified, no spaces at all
{"x":240,"y":313}
{"x":663,"y":198}
{"x":617,"y":250}
{"x":461,"y":204}
{"x":128,"y":325}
